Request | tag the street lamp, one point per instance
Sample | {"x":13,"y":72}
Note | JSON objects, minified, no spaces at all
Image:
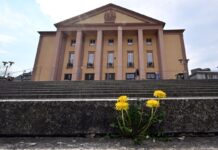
{"x":7,"y":65}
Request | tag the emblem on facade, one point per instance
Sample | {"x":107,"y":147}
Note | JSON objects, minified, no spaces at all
{"x":109,"y":16}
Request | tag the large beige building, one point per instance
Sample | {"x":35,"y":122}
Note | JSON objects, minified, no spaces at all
{"x":110,"y":43}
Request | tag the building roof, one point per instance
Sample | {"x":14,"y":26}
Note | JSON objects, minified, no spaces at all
{"x":110,"y":6}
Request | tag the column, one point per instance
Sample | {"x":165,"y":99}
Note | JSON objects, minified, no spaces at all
{"x":162,"y":62}
{"x":57,"y":48}
{"x":78,"y":57}
{"x":141,"y":55}
{"x":120,"y":54}
{"x":98,"y":56}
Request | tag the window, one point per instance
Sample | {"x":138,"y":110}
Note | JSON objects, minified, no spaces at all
{"x":67,"y":76}
{"x":92,"y":42}
{"x":110,"y":76}
{"x":90,"y":63}
{"x":130,"y":76}
{"x":130,"y":59}
{"x":73,"y":43}
{"x":111,"y":42}
{"x":70,"y":60}
{"x":129,"y":41}
{"x":89,"y":76}
{"x":110,"y":60}
{"x":150,"y":61}
{"x":148,"y":41}
{"x":150,"y":75}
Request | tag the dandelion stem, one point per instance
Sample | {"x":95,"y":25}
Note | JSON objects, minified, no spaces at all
{"x":145,"y":128}
{"x":123,"y":119}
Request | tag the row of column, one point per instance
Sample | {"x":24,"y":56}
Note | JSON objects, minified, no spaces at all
{"x":98,"y":55}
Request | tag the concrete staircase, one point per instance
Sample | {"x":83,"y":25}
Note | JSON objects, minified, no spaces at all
{"x":32,"y":108}
{"x":106,"y":89}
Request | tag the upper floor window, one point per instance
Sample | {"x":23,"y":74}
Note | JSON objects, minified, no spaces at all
{"x":130,"y":60}
{"x":91,"y":56}
{"x":150,"y":61}
{"x":92,"y":42}
{"x":73,"y":43}
{"x":130,"y":41}
{"x":70,"y":60}
{"x":148,"y":41}
{"x":111,"y":42}
{"x":110,"y":60}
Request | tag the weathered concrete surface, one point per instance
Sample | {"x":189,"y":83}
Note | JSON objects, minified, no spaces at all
{"x":189,"y":143}
{"x":76,"y":116}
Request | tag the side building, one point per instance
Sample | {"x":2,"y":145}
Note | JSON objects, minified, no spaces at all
{"x":110,"y":43}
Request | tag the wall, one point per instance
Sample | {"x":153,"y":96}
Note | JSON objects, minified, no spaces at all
{"x":43,"y":67}
{"x":65,"y":117}
{"x":173,"y":52}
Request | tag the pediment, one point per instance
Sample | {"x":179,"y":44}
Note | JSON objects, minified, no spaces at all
{"x":109,"y":14}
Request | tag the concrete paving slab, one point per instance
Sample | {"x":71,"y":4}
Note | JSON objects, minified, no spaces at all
{"x":77,"y":143}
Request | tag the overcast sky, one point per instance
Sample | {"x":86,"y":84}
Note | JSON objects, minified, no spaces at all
{"x":21,"y":19}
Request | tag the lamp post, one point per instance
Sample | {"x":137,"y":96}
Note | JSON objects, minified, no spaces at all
{"x":7,"y":65}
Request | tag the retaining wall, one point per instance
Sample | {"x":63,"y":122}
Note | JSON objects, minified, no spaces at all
{"x":67,"y":117}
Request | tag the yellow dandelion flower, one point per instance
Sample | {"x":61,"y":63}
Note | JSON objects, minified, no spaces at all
{"x":159,"y":94}
{"x":122,"y":99}
{"x":122,"y":106}
{"x":152,"y":103}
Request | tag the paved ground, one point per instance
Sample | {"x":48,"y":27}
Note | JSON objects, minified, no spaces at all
{"x":189,"y":143}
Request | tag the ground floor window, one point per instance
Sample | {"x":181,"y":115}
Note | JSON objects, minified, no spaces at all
{"x":89,"y":76}
{"x":151,"y":75}
{"x":130,"y":76}
{"x":110,"y":76}
{"x":67,"y":76}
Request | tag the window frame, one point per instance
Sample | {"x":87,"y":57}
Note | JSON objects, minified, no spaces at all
{"x":108,"y":74}
{"x":69,"y":78}
{"x":88,"y":74}
{"x":69,"y":63}
{"x":90,"y":64}
{"x":129,"y":41}
{"x":73,"y":43}
{"x":110,"y":64}
{"x":148,"y":41}
{"x":130,"y":64}
{"x":130,"y":74}
{"x":150,"y":64}
{"x":149,"y":74}
{"x":110,"y":42}
{"x":92,"y":42}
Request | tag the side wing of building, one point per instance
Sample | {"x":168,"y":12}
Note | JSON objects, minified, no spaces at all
{"x":174,"y":51}
{"x":43,"y":67}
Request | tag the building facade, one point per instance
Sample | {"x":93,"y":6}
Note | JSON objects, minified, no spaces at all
{"x":203,"y":74}
{"x":110,"y":43}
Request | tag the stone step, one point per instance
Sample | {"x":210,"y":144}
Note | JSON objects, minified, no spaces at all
{"x":102,"y":95}
{"x":107,"y":88}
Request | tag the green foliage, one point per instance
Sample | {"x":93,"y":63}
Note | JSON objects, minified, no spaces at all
{"x":138,"y":122}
